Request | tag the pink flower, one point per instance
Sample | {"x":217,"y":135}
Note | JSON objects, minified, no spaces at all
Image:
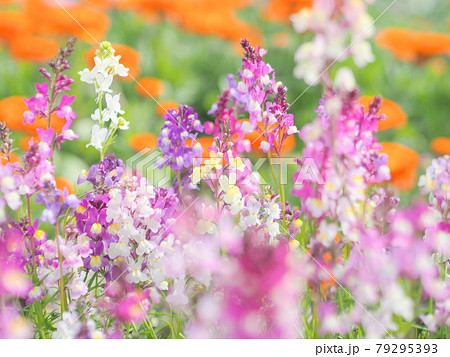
{"x":132,"y":308}
{"x":13,"y":280}
{"x":13,"y":325}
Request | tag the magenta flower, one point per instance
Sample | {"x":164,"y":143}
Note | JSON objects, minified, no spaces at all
{"x":132,"y":308}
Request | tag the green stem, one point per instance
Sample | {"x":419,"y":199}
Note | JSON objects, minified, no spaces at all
{"x":269,"y":157}
{"x":33,"y":247}
{"x":283,"y":196}
{"x":61,"y":279}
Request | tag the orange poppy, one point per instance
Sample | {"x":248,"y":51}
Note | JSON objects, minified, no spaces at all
{"x":150,"y":85}
{"x":12,"y":24}
{"x":24,"y":141}
{"x":204,"y":141}
{"x":82,"y":21}
{"x":211,"y":17}
{"x":164,"y":105}
{"x":441,"y":146}
{"x":280,"y":10}
{"x":102,"y":4}
{"x":403,"y":162}
{"x":410,"y":46}
{"x":432,"y":43}
{"x":33,"y":48}
{"x":11,"y":113}
{"x":130,"y":58}
{"x":142,"y":141}
{"x":12,"y":156}
{"x":395,"y":116}
{"x":62,"y":182}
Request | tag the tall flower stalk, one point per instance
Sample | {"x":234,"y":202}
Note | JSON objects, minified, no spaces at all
{"x":108,"y":114}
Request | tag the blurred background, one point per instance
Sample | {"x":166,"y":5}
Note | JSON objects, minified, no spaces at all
{"x":182,"y":50}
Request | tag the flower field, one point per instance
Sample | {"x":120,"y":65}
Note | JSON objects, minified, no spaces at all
{"x":224,"y":169}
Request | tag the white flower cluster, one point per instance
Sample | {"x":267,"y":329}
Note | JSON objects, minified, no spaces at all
{"x":139,"y":225}
{"x":342,"y":29}
{"x":106,"y":67}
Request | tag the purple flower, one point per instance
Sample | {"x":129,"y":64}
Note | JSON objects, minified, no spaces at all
{"x":180,"y":125}
{"x":105,"y":173}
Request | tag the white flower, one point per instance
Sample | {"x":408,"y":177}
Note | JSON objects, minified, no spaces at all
{"x":232,"y":192}
{"x":205,"y":226}
{"x":362,"y":53}
{"x":254,"y":106}
{"x":119,"y":249}
{"x":77,"y":287}
{"x":242,"y":87}
{"x":273,"y":210}
{"x":265,"y":146}
{"x":113,"y":103}
{"x":136,"y":275}
{"x":327,"y":233}
{"x":345,"y":79}
{"x":178,"y":296}
{"x":273,"y":229}
{"x":97,"y":116}
{"x":98,"y":137}
{"x":292,"y":130}
{"x":143,"y":247}
{"x":252,"y":218}
{"x":315,"y":206}
{"x":301,"y":20}
{"x":265,"y":80}
{"x":246,"y":73}
{"x":86,"y":76}
{"x":236,"y":207}
{"x":103,"y":82}
{"x":119,"y":123}
{"x":153,"y":224}
{"x":247,"y":127}
{"x":13,"y":199}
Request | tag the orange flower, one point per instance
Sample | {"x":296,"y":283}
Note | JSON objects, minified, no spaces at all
{"x":432,"y":43}
{"x":12,"y":24}
{"x":150,"y":85}
{"x":62,"y":182}
{"x":280,"y":10}
{"x":33,"y":48}
{"x":12,"y":156}
{"x":395,"y":116}
{"x":441,"y":146}
{"x":204,"y":141}
{"x":216,"y":18}
{"x":11,"y":113}
{"x":24,"y":140}
{"x":48,"y":19}
{"x":102,"y":4}
{"x":403,"y":162}
{"x":164,"y":105}
{"x":142,"y":141}
{"x":130,"y":58}
{"x":410,"y":46}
